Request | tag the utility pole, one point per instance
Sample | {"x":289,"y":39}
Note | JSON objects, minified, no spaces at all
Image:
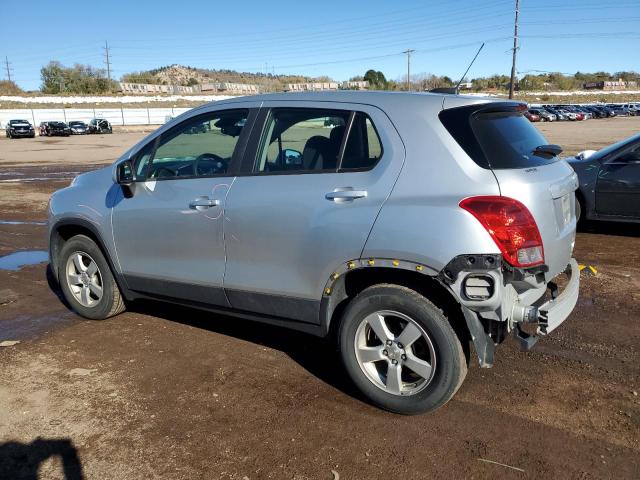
{"x":107,"y":60}
{"x":7,"y":65}
{"x":408,"y":52}
{"x":515,"y":50}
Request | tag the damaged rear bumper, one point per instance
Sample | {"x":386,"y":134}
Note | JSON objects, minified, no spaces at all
{"x":516,"y":305}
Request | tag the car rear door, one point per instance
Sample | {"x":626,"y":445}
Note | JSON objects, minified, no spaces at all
{"x":169,"y":235}
{"x":305,"y":202}
{"x":618,"y":184}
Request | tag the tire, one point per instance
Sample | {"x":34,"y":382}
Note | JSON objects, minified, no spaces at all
{"x":437,"y":347}
{"x":579,"y":210}
{"x":80,"y":291}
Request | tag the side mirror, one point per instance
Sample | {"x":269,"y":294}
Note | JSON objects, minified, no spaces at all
{"x":125,"y":178}
{"x":292,"y":157}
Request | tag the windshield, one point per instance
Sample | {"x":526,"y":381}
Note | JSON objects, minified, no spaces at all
{"x":12,"y":122}
{"x":616,"y":146}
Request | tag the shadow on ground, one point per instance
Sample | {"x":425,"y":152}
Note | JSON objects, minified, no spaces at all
{"x":620,"y":229}
{"x":316,"y":355}
{"x":20,"y":461}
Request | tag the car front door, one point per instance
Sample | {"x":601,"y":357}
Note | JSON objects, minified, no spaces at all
{"x":305,"y":202}
{"x":169,"y":234}
{"x":618,"y":187}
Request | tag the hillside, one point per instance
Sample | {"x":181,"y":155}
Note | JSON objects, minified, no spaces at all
{"x":181,"y":75}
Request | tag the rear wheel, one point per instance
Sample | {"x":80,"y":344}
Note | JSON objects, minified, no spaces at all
{"x":400,"y":350}
{"x":86,"y":280}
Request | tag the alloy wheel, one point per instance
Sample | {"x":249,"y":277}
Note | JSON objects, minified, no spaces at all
{"x":395,"y":352}
{"x":84,"y":279}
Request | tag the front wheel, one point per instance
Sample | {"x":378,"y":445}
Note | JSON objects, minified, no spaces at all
{"x":400,"y":350}
{"x":86,"y":280}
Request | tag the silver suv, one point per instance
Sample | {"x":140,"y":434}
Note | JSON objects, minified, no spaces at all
{"x":403,"y":226}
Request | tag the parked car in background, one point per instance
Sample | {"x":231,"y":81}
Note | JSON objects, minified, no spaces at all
{"x":573,"y":116}
{"x":557,"y":112}
{"x":375,"y":232}
{"x":50,"y":129}
{"x":610,"y":111}
{"x":619,"y":110}
{"x":544,"y":115}
{"x":595,"y":111}
{"x":632,"y":108}
{"x":532,"y":117}
{"x":78,"y":128}
{"x":609,"y":182}
{"x":100,"y":125}
{"x":19,"y":128}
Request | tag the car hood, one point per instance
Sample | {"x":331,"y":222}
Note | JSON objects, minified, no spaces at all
{"x":14,"y":125}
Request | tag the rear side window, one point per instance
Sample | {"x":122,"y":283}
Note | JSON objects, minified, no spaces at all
{"x":303,"y":140}
{"x":497,"y":139}
{"x":363,"y":149}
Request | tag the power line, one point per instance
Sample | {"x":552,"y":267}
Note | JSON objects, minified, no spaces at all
{"x":8,"y":67}
{"x":515,"y":50}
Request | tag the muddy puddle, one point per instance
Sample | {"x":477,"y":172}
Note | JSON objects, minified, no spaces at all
{"x":24,"y":327}
{"x":20,"y":222}
{"x":23,"y":258}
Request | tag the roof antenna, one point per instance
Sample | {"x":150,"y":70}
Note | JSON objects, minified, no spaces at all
{"x":456,"y":90}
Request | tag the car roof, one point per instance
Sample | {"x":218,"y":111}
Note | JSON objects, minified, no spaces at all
{"x":382,"y":99}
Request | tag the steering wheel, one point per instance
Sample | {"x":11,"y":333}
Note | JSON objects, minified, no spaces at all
{"x":209,"y":164}
{"x":162,"y":172}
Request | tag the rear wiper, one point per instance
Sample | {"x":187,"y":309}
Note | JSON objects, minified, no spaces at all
{"x":548,"y":150}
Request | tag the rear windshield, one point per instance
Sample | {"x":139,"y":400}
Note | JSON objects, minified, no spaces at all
{"x":496,"y":140}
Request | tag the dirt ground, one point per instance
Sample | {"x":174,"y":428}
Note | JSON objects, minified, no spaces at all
{"x":169,"y":392}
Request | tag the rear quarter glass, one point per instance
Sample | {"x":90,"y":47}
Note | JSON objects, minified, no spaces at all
{"x":496,"y":139}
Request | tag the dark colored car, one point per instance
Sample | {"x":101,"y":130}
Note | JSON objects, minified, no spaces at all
{"x":604,"y":110}
{"x":19,"y":128}
{"x":595,"y":111}
{"x":78,"y":128}
{"x":619,"y":110}
{"x":100,"y":125}
{"x":609,"y":182}
{"x":51,"y":129}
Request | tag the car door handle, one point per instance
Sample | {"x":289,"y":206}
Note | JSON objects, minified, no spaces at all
{"x":345,"y":195}
{"x":204,"y":202}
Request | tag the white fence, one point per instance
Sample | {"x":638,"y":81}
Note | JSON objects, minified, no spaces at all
{"x":117,"y":116}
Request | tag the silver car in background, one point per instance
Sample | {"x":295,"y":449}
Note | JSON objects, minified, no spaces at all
{"x":405,"y":227}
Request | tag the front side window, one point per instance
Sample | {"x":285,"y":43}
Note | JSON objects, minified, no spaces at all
{"x":302,"y":140}
{"x":199,"y":147}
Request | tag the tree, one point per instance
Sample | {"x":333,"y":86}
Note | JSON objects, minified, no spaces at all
{"x":376,"y":79}
{"x":8,"y":87}
{"x":83,"y":79}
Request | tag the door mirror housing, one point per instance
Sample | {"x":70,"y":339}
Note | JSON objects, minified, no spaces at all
{"x":291,"y":157}
{"x":125,"y":178}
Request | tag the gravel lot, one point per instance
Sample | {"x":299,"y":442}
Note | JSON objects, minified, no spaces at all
{"x":168,"y":392}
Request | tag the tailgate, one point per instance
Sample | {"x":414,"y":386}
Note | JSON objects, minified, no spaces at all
{"x":498,"y":137}
{"x":548,"y":192}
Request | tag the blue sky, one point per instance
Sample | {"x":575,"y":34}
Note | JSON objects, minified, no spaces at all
{"x":335,"y":38}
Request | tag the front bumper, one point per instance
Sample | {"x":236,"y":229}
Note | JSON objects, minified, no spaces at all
{"x":22,"y":133}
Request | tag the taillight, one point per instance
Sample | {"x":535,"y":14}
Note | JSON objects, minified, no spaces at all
{"x":511,"y":226}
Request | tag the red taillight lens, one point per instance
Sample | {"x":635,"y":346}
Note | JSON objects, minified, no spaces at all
{"x":511,"y":226}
